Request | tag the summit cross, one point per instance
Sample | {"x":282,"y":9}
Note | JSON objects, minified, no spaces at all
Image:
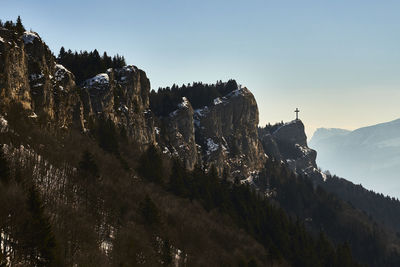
{"x":297,"y":113}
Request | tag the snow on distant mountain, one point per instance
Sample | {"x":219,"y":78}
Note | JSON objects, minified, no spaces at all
{"x":368,"y":155}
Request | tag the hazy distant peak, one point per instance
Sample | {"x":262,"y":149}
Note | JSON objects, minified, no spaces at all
{"x":322,"y":133}
{"x":369,"y":155}
{"x":393,"y":123}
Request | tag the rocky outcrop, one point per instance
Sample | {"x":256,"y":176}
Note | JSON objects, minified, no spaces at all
{"x":122,"y":95}
{"x":176,"y":135}
{"x":14,"y":82}
{"x":222,"y":134}
{"x":30,"y":76}
{"x":288,"y":143}
{"x":269,"y":144}
{"x":226,"y":130}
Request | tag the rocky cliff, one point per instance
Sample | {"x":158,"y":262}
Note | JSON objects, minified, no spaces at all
{"x":287,"y":142}
{"x":29,"y":75}
{"x":227,"y":133}
{"x":221,"y":134}
{"x":123,"y":96}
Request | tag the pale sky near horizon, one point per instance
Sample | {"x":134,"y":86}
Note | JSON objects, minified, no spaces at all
{"x":337,"y":61}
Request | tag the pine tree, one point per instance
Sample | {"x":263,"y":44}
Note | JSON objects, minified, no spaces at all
{"x":149,"y":211}
{"x":88,"y":174}
{"x":176,"y":180}
{"x":19,"y":27}
{"x":62,"y":53}
{"x":87,"y":165}
{"x":4,"y":168}
{"x":151,"y":167}
{"x":107,"y":136}
{"x":40,"y":241}
{"x":166,"y":253}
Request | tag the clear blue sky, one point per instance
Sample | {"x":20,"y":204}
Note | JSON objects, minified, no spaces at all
{"x":338,"y":61}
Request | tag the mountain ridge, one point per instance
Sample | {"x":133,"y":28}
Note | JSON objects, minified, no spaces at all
{"x":218,"y":139}
{"x":368,"y":155}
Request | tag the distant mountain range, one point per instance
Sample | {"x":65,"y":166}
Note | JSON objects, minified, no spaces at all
{"x":368,"y":155}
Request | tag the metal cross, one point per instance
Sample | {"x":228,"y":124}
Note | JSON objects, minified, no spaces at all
{"x":297,"y":113}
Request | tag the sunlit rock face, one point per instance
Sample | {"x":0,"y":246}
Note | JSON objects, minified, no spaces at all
{"x":123,"y":96}
{"x":226,"y":130}
{"x":30,"y":76}
{"x":221,"y":134}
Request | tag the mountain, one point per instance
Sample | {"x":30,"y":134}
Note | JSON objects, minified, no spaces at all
{"x":104,"y":171}
{"x":369,"y":155}
{"x":287,"y":142}
{"x":322,"y":133}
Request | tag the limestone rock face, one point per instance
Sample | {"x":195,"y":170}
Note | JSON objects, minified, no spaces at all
{"x":291,"y":133}
{"x":227,"y":134}
{"x":222,"y":134}
{"x":288,"y":143}
{"x":269,"y":145}
{"x":30,"y":76}
{"x":122,"y":95}
{"x":176,"y":135}
{"x":14,"y":83}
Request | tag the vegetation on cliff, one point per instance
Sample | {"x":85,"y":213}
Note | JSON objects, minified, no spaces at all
{"x":103,"y":196}
{"x":85,"y":65}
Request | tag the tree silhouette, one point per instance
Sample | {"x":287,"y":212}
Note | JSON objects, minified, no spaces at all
{"x":19,"y":27}
{"x":4,"y":168}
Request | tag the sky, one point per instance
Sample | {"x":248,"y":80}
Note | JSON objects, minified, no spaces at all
{"x":337,"y":61}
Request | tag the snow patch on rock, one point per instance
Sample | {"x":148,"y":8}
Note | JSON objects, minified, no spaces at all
{"x":304,"y":150}
{"x":101,"y":78}
{"x":185,"y":103}
{"x":129,"y":68}
{"x":217,"y":101}
{"x":29,"y":37}
{"x":36,"y":76}
{"x":201,"y":111}
{"x":240,"y":91}
{"x":166,"y":151}
{"x":33,"y":115}
{"x":211,"y":146}
{"x":38,"y":85}
{"x":250,"y":178}
{"x":3,"y":124}
{"x":60,"y":72}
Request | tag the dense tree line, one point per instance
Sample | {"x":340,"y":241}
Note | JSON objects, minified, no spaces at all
{"x":18,"y":27}
{"x":95,"y":195}
{"x":26,"y":229}
{"x":85,"y":65}
{"x":374,"y":204}
{"x":284,"y":238}
{"x":166,"y":100}
{"x":323,"y":211}
{"x":99,"y":197}
{"x":77,"y":205}
{"x":271,"y":128}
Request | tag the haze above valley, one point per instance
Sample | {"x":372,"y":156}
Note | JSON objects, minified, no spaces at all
{"x":367,"y":156}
